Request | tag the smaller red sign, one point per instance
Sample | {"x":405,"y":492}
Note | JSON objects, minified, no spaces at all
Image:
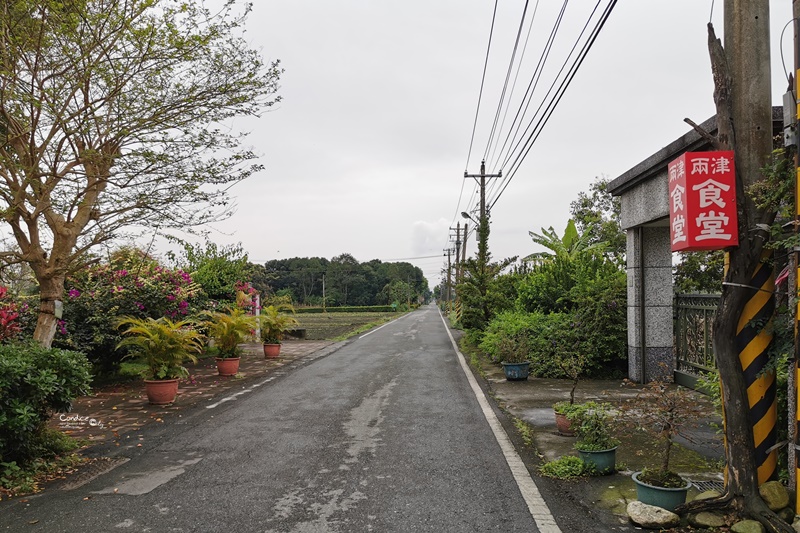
{"x":702,"y":196}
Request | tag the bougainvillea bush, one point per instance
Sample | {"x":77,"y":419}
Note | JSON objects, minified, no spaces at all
{"x":131,"y":284}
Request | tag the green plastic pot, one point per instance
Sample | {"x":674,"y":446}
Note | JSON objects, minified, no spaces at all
{"x":666,"y":498}
{"x":604,"y":461}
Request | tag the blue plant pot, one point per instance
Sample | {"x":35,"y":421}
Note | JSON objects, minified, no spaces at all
{"x":666,"y":498}
{"x":516,"y":371}
{"x":604,"y":461}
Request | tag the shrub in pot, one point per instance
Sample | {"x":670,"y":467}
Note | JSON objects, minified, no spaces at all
{"x":514,"y":353}
{"x":273,"y":323}
{"x":163,"y":345}
{"x":229,"y":329}
{"x":596,"y":444}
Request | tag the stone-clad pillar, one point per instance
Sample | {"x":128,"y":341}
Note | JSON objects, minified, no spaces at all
{"x":650,"y":319}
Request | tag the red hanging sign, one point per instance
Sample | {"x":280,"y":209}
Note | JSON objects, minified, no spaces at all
{"x":702,"y":196}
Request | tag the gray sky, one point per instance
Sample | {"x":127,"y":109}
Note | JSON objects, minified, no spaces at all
{"x":367,"y":150}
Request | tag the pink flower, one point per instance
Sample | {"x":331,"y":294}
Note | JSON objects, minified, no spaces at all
{"x":74,"y":293}
{"x":171,"y":297}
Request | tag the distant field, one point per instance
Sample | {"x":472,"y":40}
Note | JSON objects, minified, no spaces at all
{"x":321,"y":326}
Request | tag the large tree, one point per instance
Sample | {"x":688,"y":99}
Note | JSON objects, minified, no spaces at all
{"x":115,"y":114}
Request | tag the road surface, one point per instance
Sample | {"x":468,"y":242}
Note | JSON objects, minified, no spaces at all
{"x":386,"y":434}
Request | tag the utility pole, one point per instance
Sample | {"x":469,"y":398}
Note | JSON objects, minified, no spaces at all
{"x":449,"y":284}
{"x":464,"y":244}
{"x":794,"y":381}
{"x":483,"y":243}
{"x":458,"y":254}
{"x":483,"y":222}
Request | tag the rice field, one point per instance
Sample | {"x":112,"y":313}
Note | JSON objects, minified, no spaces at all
{"x":329,"y":326}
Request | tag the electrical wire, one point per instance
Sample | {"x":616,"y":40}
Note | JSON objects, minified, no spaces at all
{"x":553,"y":103}
{"x":534,"y":82}
{"x":483,"y":80}
{"x":516,"y":76}
{"x":505,"y":83}
{"x":552,"y":85}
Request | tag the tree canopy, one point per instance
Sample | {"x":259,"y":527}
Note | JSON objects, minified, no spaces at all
{"x":346,"y":281}
{"x":113,"y":115}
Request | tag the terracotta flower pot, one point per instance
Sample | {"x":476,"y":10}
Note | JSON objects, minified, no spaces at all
{"x":228,"y":366}
{"x":564,"y":425}
{"x":161,"y":391}
{"x":272,"y":351}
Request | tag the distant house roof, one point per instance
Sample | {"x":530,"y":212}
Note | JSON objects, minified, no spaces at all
{"x":690,"y":142}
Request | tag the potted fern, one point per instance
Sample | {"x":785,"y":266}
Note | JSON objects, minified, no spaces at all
{"x":163,"y":345}
{"x":229,"y":329}
{"x":273,"y":323}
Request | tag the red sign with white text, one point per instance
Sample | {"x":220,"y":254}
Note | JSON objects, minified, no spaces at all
{"x":702,"y":197}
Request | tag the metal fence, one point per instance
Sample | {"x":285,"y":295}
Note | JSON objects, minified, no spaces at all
{"x":694,"y":315}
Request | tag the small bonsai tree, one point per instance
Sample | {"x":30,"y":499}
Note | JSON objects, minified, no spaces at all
{"x":572,"y":364}
{"x":663,"y":411}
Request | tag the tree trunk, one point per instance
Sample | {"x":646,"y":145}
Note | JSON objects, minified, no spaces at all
{"x":51,"y":289}
{"x":741,"y":492}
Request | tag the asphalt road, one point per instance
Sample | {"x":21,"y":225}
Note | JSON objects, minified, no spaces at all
{"x":385,"y":434}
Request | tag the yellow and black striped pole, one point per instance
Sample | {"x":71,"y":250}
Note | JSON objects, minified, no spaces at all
{"x":796,"y":139}
{"x":753,"y":337}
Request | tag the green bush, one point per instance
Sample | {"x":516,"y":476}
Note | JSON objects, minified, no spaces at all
{"x":550,"y":338}
{"x":596,"y":331}
{"x":34,"y":382}
{"x":131,"y":284}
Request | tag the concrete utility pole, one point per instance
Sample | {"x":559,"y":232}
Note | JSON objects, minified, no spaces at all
{"x":458,"y":253}
{"x":794,"y":397}
{"x":464,"y":249}
{"x":483,"y":222}
{"x":747,"y":57}
{"x":449,"y":283}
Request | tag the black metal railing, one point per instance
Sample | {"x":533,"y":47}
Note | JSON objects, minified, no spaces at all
{"x":694,"y":315}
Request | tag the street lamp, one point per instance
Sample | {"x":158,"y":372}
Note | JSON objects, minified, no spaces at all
{"x":466,"y":215}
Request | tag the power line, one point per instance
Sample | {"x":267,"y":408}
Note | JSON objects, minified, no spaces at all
{"x":483,"y":79}
{"x":554,"y":102}
{"x":505,"y":83}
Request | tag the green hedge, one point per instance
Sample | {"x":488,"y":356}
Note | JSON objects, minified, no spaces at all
{"x":550,"y":337}
{"x":349,"y":309}
{"x":34,"y":382}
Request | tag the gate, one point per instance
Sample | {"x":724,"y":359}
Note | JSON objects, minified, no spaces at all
{"x":694,"y":315}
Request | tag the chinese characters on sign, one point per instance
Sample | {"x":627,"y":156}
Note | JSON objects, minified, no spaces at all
{"x":702,"y":194}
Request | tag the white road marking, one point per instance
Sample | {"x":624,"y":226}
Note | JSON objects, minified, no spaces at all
{"x":530,"y":492}
{"x":383,"y":326}
{"x":237,"y":394}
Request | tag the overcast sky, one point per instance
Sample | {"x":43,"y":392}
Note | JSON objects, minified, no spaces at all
{"x":366,"y":152}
